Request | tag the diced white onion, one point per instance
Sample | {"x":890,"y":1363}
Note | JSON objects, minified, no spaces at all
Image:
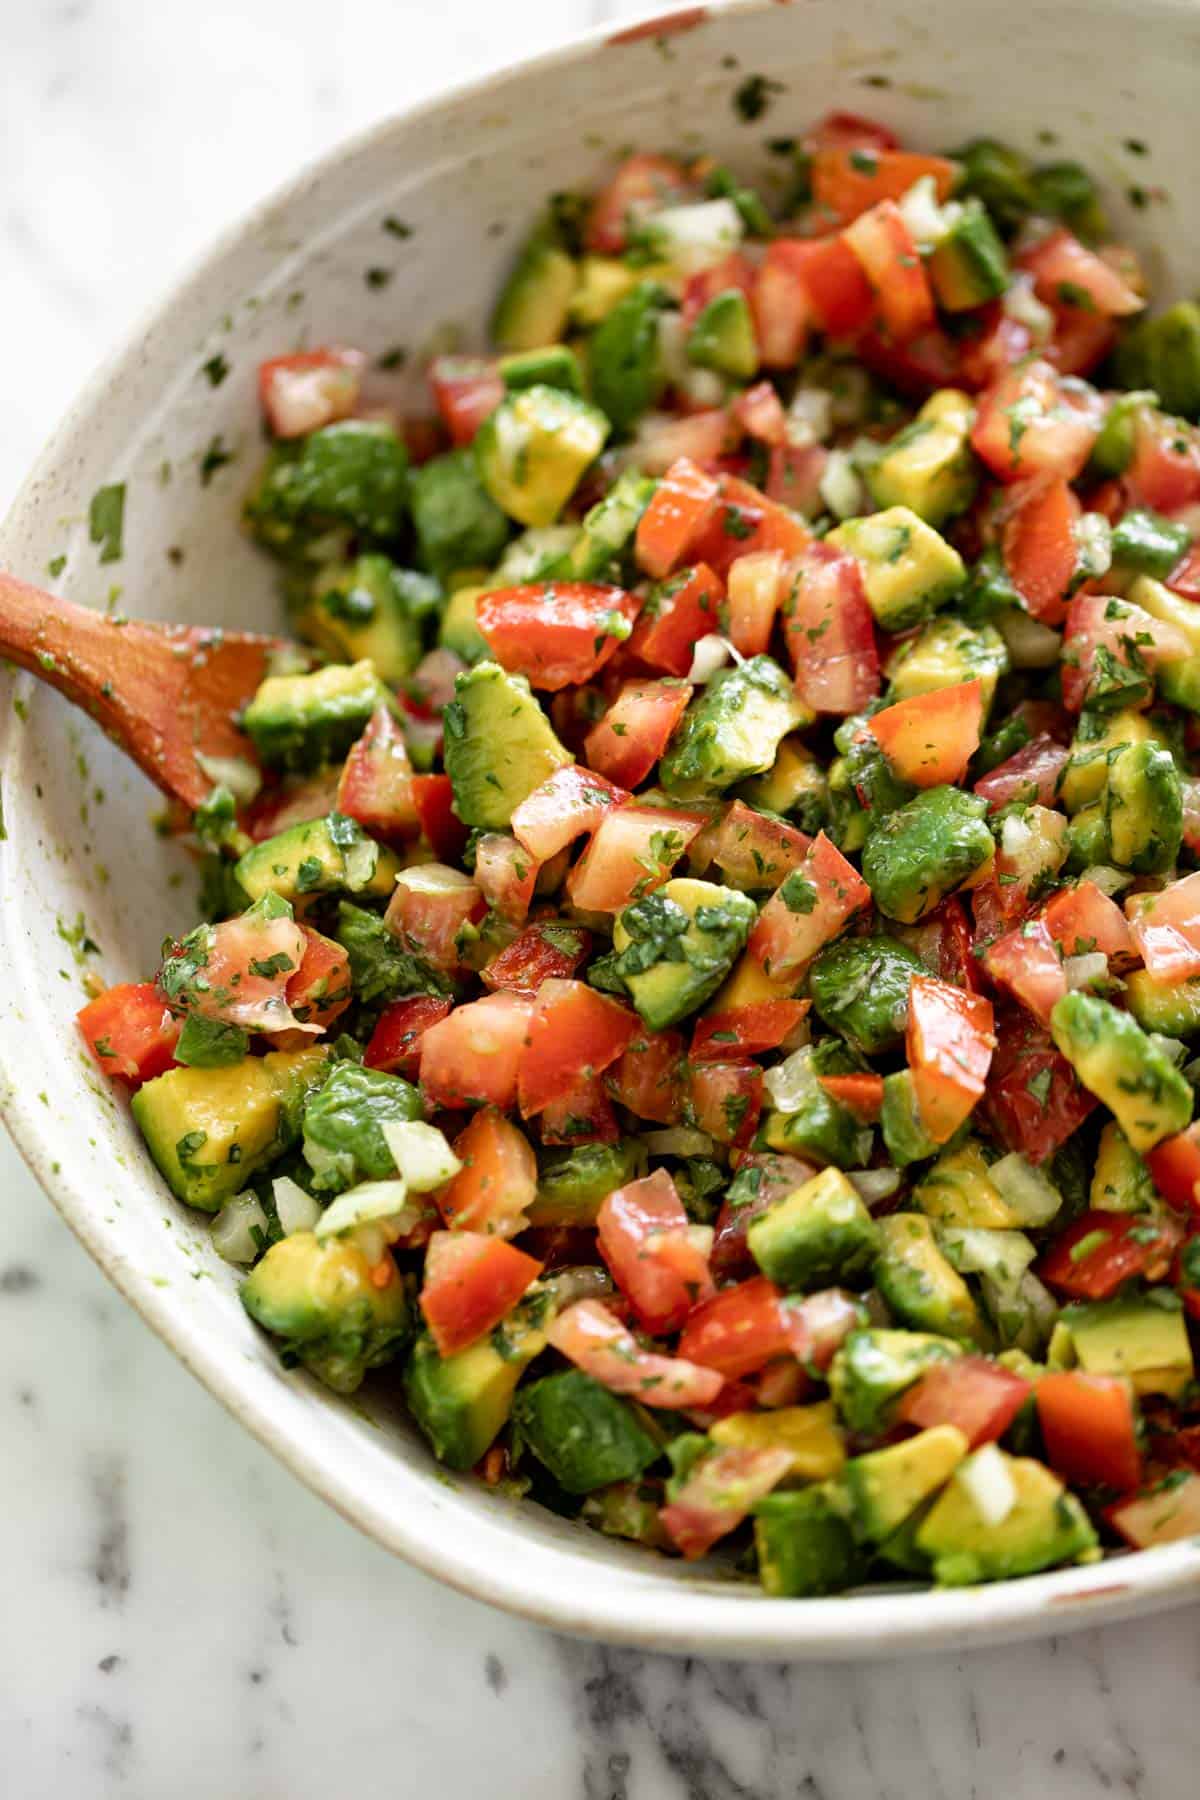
{"x":1025,"y":1190}
{"x":791,"y":1083}
{"x":1093,"y":541}
{"x":988,"y":1481}
{"x":1002,"y":1256}
{"x":673,"y":361}
{"x":529,"y":554}
{"x":234,"y":772}
{"x":359,"y":1205}
{"x":360,"y":860}
{"x":297,"y":1210}
{"x":1031,"y":645}
{"x":703,"y":387}
{"x":692,"y":238}
{"x":1015,"y":836}
{"x":840,"y":487}
{"x":709,"y":654}
{"x":239,"y":1229}
{"x":421,"y":1154}
{"x":810,"y":417}
{"x":874,"y":1184}
{"x":928,"y":223}
{"x":1084,"y":971}
{"x":1109,"y":881}
{"x":288,"y":658}
{"x":1021,"y":303}
{"x":678,"y":1140}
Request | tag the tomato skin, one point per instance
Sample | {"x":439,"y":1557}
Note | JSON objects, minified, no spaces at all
{"x":648,"y":1077}
{"x":846,"y":188}
{"x":1089,"y":1428}
{"x":584,"y":1114}
{"x":130,"y":1032}
{"x":848,"y":130}
{"x":1050,"y":432}
{"x":1184,"y":578}
{"x":979,"y":1397}
{"x":930,"y":359}
{"x":718,"y":1494}
{"x":1132,"y":1245}
{"x":1166,"y":929}
{"x":542,"y":951}
{"x":682,"y":505}
{"x":643,"y":182}
{"x":466,"y":391}
{"x":726,"y":1099}
{"x":319,"y":991}
{"x":614,"y":866}
{"x":472,"y":1281}
{"x":738,"y":1330}
{"x":574,"y":1032}
{"x":828,"y":271}
{"x":644,"y":1238}
{"x":930,"y":740}
{"x":949,"y":1044}
{"x":557,"y":634}
{"x":636,"y":730}
{"x":860,"y":1094}
{"x":756,"y":851}
{"x":677,"y":615}
{"x":746,"y":1030}
{"x":472,"y":1057}
{"x":782,"y":941}
{"x":376,"y":783}
{"x":884,"y":246}
{"x":830,"y":633}
{"x":1039,"y":547}
{"x":1031,"y":775}
{"x":1037,"y":1120}
{"x":311,"y":389}
{"x":395,"y":1043}
{"x":1174,"y":1166}
{"x":497,"y":1182}
{"x":591,"y":1337}
{"x":433,"y":797}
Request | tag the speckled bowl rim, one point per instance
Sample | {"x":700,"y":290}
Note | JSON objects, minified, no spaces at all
{"x":660,"y":1616}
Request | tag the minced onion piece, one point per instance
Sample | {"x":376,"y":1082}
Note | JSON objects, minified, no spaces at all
{"x":360,"y":1205}
{"x":1002,"y":1256}
{"x":928,"y":222}
{"x":421,"y":1154}
{"x":1015,"y":836}
{"x":1093,"y":543}
{"x":1025,"y":1190}
{"x":672,"y":347}
{"x":874,"y":1184}
{"x":709,"y":653}
{"x":297,"y":1210}
{"x":692,"y":238}
{"x":1109,"y":881}
{"x":791,"y":1083}
{"x":988,"y":1480}
{"x":678,"y":1140}
{"x":529,"y":554}
{"x":840,"y":487}
{"x":1085,"y":971}
{"x":1019,"y":302}
{"x":234,"y":772}
{"x":360,"y":861}
{"x":234,"y":1228}
{"x":810,"y":417}
{"x":287,"y":658}
{"x":1031,"y":645}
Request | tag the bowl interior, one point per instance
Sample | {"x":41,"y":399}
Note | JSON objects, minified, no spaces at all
{"x":397,"y":243}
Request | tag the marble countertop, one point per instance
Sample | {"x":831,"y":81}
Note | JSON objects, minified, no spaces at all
{"x":181,"y":1620}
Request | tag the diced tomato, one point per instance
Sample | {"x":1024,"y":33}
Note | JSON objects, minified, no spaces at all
{"x":1185,"y":576}
{"x":1034,"y":1098}
{"x":830,"y":633}
{"x":756,"y":588}
{"x":376,"y":782}
{"x":584,"y":1115}
{"x":248,"y":963}
{"x":574,"y":1032}
{"x":1035,"y":422}
{"x":319,"y":992}
{"x":645,"y":1239}
{"x":726,"y":1099}
{"x":739,"y":1330}
{"x":1167,"y":1514}
{"x":1129,"y":634}
{"x":1000,"y":342}
{"x":704,"y":438}
{"x":772,"y":1176}
{"x":433,"y":797}
{"x":294,"y":801}
{"x":1100,"y":1251}
{"x":545,"y":950}
{"x":648,"y":1079}
{"x":395,"y":1043}
{"x":472,"y":1057}
{"x":130,"y":1032}
{"x":557,"y":634}
{"x":1089,"y":1428}
{"x":826,"y":891}
{"x":430,"y":905}
{"x":759,"y":411}
{"x":1030,"y":776}
{"x":860,"y":1094}
{"x":424,"y":438}
{"x":466,"y":391}
{"x":847,"y":180}
{"x":1040,"y":550}
{"x":1066,"y":273}
{"x":505,"y":875}
{"x":746,"y":1030}
{"x":1174,"y":1166}
{"x":978,"y":1397}
{"x":1083,"y":918}
{"x":954,"y":958}
{"x":1166,"y":929}
{"x":732,"y":274}
{"x":472,"y":1281}
{"x":1081,"y":341}
{"x":949,"y":1043}
{"x":682,"y":610}
{"x":636,"y":730}
{"x":589,"y":1335}
{"x":884,"y":246}
{"x":567,"y":804}
{"x":718,"y":1493}
{"x":831,"y":275}
{"x":498,"y":1179}
{"x":845,"y":130}
{"x":782,"y":315}
{"x":632,"y":852}
{"x":930,"y":359}
{"x":930,"y":740}
{"x":683,"y":503}
{"x":305,"y":392}
{"x":1026,"y":962}
{"x":1165,"y":471}
{"x":819,"y":1324}
{"x":794,"y":477}
{"x":643,"y":183}
{"x":745,"y":522}
{"x":755,"y":850}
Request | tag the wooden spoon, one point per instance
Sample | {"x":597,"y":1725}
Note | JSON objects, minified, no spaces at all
{"x":164,"y":693}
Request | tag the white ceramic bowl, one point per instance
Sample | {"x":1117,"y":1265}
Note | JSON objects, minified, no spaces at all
{"x":466,"y":174}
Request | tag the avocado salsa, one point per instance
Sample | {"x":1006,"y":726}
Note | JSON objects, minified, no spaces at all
{"x":699,"y":987}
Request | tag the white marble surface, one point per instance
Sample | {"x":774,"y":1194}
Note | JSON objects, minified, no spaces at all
{"x":178,"y":1619}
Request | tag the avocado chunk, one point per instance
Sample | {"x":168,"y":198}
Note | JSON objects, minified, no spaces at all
{"x":944,"y":653}
{"x":1116,"y":1061}
{"x":624,"y":357}
{"x":531,"y":452}
{"x":608,"y":528}
{"x":805,"y":1545}
{"x":675,"y":947}
{"x":969,"y":267}
{"x":1178,"y":682}
{"x":461,"y":1402}
{"x":810,"y":1434}
{"x":722,"y":337}
{"x":370,"y":611}
{"x":210,"y":1130}
{"x":321,"y":1300}
{"x":875,"y":1366}
{"x":1098,"y":738}
{"x":1121,"y":1182}
{"x":819,"y":1234}
{"x":959,"y":1191}
{"x":795,"y":787}
{"x":318,"y":856}
{"x":351,"y":476}
{"x":922,"y":852}
{"x":302,"y":721}
{"x":499,"y":745}
{"x":536,"y":299}
{"x":1045,"y":1525}
{"x":817,"y":1127}
{"x":908,"y":570}
{"x":928,"y":467}
{"x":859,"y":986}
{"x":731,"y":730}
{"x":575,"y":1180}
{"x":1171,"y":1007}
{"x":920,"y":1286}
{"x":1142,"y":1336}
{"x":885,"y":1487}
{"x":1143,"y":810}
{"x":554,"y":366}
{"x":459,"y":630}
{"x":584,"y":1435}
{"x":457,"y":522}
{"x":604,"y":281}
{"x":1163,"y":354}
{"x":343,"y":1126}
{"x":904,"y":1135}
{"x":865,"y":770}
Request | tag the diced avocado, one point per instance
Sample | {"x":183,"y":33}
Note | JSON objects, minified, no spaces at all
{"x":722,"y":337}
{"x":867,"y":771}
{"x":531,"y":452}
{"x":810,"y":1434}
{"x":351,"y":476}
{"x":209,"y":1130}
{"x":1179,"y":681}
{"x":805,"y":1546}
{"x":1163,"y":353}
{"x":343,"y":1126}
{"x":795,"y":787}
{"x":969,"y":267}
{"x":499,"y":745}
{"x":320,"y":1298}
{"x":944,"y":653}
{"x":585,"y":1436}
{"x":1171,"y":1007}
{"x":928,"y":467}
{"x":1143,"y":1336}
{"x":302,"y":721}
{"x":919,"y":1284}
{"x":874,"y":1366}
{"x":1116,"y":1061}
{"x":818,"y":1128}
{"x":918,"y":855}
{"x":318,"y":856}
{"x":1144,"y":809}
{"x":1120,"y":1180}
{"x":1112,"y":452}
{"x":555,"y":366}
{"x":731,"y":729}
{"x":849,"y":819}
{"x":536,"y":299}
{"x":629,"y":1510}
{"x":885,"y":1487}
{"x":1000,"y":177}
{"x":860,"y":986}
{"x":608,"y":528}
{"x":1097,"y":739}
{"x":1044,"y":1526}
{"x":459,"y":630}
{"x":1151,"y":544}
{"x":1066,"y":191}
{"x":370,"y":611}
{"x":604,"y":281}
{"x":457,"y":522}
{"x":460,"y":1402}
{"x":676,"y":946}
{"x":626,"y":363}
{"x":908,"y":570}
{"x":958,"y":1191}
{"x":819,"y":1234}
{"x":574,"y":1180}
{"x":904,"y":1136}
